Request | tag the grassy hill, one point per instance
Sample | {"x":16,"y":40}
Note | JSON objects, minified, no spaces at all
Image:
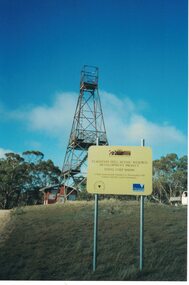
{"x":55,"y":242}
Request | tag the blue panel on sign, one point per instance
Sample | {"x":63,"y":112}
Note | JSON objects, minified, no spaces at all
{"x":138,"y":187}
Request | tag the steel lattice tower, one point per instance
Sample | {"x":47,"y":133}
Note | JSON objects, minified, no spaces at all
{"x":88,"y":125}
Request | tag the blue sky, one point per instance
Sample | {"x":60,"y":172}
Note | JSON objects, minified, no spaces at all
{"x":140,"y":47}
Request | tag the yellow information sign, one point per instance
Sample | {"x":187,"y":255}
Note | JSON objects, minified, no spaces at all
{"x":121,"y":170}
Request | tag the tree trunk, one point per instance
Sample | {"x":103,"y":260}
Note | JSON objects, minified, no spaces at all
{"x":6,"y":201}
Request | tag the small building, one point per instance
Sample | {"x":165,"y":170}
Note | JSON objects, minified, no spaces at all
{"x":50,"y":196}
{"x":56,"y":194}
{"x":70,"y":196}
{"x":183,"y":199}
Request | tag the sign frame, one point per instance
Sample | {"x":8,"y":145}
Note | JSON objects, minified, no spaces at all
{"x":120,"y":170}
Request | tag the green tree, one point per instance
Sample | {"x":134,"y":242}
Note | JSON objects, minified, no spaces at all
{"x":13,"y":178}
{"x":21,"y":178}
{"x":169,"y":177}
{"x":42,"y":173}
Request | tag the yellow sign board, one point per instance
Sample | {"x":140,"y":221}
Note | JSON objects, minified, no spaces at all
{"x":121,"y":170}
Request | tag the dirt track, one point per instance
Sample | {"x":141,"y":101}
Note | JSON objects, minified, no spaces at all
{"x":4,"y":219}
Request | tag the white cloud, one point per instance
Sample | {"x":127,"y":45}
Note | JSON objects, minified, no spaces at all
{"x":156,"y":134}
{"x":56,"y":118}
{"x":3,"y":151}
{"x":51,"y":119}
{"x":126,"y":126}
{"x":124,"y":122}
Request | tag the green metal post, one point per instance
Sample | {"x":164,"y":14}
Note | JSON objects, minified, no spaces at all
{"x":141,"y":232}
{"x":95,"y":232}
{"x":142,"y":224}
{"x":95,"y":229}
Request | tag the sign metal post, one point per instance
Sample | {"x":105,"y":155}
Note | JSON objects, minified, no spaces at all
{"x":121,"y":170}
{"x":95,"y":232}
{"x":142,"y":224}
{"x":95,"y":229}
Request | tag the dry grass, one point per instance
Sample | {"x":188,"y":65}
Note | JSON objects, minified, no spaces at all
{"x":55,"y":242}
{"x":4,"y":218}
{"x":4,"y":222}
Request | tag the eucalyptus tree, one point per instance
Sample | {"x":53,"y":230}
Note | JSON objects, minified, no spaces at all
{"x":14,"y":176}
{"x":169,"y":177}
{"x":21,"y":178}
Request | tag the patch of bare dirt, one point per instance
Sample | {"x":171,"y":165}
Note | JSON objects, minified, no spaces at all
{"x":4,"y":221}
